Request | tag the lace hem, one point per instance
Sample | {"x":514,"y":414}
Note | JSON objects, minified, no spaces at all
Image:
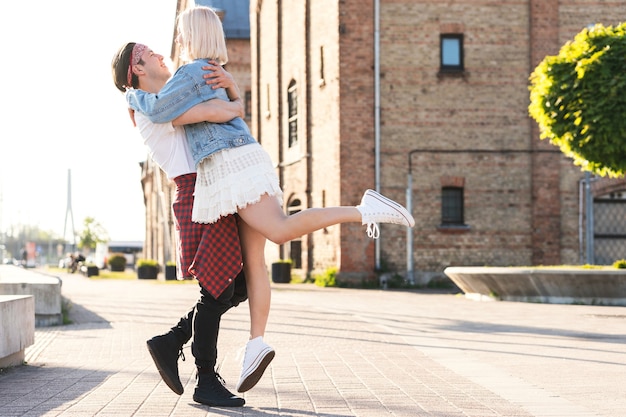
{"x":232,"y":179}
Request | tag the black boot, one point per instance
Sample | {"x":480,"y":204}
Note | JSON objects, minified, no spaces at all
{"x":211,"y":391}
{"x":165,"y":350}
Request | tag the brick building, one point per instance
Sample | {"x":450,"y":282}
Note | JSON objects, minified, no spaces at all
{"x":357,"y":94}
{"x":427,"y":102}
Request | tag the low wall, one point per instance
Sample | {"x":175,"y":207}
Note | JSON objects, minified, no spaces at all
{"x":544,"y":285}
{"x":17,"y":328}
{"x":45,"y":289}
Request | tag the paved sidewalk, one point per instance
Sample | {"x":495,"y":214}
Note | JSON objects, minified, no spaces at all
{"x":339,"y":352}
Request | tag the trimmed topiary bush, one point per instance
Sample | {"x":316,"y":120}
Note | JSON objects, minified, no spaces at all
{"x":117,"y":262}
{"x":577,"y":99}
{"x":147,"y":269}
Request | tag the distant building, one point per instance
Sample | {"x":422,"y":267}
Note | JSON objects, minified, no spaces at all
{"x":132,"y":251}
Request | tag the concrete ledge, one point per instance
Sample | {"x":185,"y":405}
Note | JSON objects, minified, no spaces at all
{"x":45,"y":289}
{"x":17,"y":328}
{"x":605,"y":286}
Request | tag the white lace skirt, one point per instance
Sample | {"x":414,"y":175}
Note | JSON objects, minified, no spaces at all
{"x":231,"y":179}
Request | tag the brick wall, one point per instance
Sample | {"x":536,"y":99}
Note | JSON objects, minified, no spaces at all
{"x":356,"y":89}
{"x":521,"y":194}
{"x":520,"y":207}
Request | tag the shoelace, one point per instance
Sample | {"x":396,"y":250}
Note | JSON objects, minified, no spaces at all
{"x":219,"y":378}
{"x":181,"y":354}
{"x":373,"y":231}
{"x":217,"y":375}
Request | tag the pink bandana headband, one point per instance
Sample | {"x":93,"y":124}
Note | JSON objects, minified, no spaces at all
{"x":135,"y":57}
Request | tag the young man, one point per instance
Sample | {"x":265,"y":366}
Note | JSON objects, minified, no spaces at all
{"x":209,"y":252}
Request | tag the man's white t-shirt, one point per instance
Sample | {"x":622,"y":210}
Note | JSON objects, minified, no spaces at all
{"x":167,"y":145}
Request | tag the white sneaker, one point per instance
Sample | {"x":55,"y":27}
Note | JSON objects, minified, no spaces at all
{"x":376,"y":208}
{"x":256,"y":359}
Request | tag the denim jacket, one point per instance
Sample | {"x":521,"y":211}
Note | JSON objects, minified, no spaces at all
{"x":183,"y":91}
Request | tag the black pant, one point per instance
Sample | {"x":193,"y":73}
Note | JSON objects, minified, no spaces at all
{"x":206,"y":321}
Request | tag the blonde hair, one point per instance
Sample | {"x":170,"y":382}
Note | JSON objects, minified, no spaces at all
{"x":202,"y":35}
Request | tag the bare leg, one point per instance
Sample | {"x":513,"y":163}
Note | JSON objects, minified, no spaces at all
{"x":257,"y":279}
{"x":258,"y":354}
{"x":268,"y":218}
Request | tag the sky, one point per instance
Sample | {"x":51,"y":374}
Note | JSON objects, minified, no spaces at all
{"x":64,"y":119}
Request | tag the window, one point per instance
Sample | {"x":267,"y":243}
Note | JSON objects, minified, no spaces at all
{"x":452,"y":206}
{"x":451,"y":52}
{"x":292,"y":103}
{"x":295,"y":245}
{"x":295,"y":253}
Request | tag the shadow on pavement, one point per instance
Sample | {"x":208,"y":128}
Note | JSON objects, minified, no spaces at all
{"x":77,"y":314}
{"x":37,"y":390}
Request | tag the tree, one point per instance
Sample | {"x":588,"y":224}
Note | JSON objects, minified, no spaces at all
{"x":578,"y":99}
{"x":92,"y":234}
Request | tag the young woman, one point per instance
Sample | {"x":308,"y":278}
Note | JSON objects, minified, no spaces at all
{"x":236,"y":175}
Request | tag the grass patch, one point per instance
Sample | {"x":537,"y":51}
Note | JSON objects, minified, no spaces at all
{"x":103,"y":273}
{"x":66,"y":307}
{"x":328,"y":278}
{"x":106,"y":274}
{"x":175,"y":281}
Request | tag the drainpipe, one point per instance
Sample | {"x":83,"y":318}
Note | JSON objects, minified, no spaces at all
{"x":410,"y":273}
{"x":279,"y":98}
{"x":581,"y":210}
{"x":377,"y":112}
